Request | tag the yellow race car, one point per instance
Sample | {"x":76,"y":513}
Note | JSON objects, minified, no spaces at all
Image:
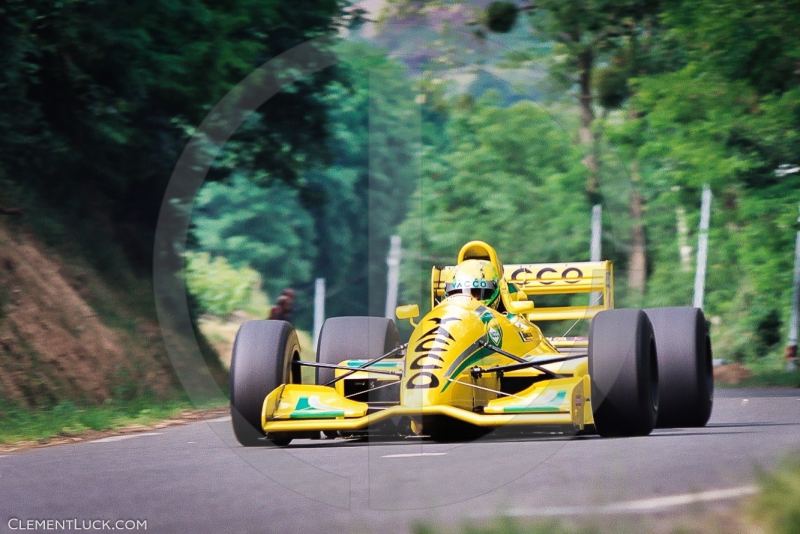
{"x":478,"y":361}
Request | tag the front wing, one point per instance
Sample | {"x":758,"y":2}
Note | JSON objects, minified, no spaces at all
{"x":557,"y":402}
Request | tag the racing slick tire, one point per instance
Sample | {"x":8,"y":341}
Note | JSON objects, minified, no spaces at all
{"x":624,"y":373}
{"x":347,"y":338}
{"x":685,"y":373}
{"x":447,"y":430}
{"x":263,"y":356}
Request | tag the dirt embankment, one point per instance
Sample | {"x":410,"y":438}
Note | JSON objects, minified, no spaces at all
{"x":56,"y":345}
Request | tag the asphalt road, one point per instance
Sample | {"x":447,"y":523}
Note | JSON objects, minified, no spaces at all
{"x":195,"y":478}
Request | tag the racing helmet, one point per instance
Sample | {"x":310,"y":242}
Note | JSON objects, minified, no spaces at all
{"x":478,"y":278}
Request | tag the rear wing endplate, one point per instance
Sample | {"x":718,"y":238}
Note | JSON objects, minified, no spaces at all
{"x":593,"y":278}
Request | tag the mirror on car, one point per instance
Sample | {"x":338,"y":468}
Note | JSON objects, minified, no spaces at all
{"x":520,"y":306}
{"x":409,"y":311}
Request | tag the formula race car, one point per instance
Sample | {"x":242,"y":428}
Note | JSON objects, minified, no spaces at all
{"x":477,"y":361}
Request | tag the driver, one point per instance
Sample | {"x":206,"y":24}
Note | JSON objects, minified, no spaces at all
{"x":478,"y":278}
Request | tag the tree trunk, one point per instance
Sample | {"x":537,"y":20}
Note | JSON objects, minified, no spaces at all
{"x":637,"y":262}
{"x":585,"y":132}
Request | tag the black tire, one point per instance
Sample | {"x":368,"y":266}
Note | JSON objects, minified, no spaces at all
{"x":448,"y":430}
{"x":262,"y":359}
{"x":686,"y":378}
{"x":624,"y":373}
{"x":347,"y":338}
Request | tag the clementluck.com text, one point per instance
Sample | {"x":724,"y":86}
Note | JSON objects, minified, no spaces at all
{"x":76,"y":525}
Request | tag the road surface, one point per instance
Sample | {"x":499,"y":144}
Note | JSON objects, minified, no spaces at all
{"x":195,"y":478}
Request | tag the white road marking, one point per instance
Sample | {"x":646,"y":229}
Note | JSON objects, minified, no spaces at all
{"x":219,"y":419}
{"x":123,"y":437}
{"x":413,"y":455}
{"x":652,"y":504}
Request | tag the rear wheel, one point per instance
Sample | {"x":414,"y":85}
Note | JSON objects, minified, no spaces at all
{"x":686,"y":381}
{"x":348,"y":338}
{"x":623,"y":372}
{"x":264,"y":356}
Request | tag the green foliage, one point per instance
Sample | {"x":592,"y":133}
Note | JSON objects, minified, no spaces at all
{"x":264,"y":228}
{"x":67,"y":418}
{"x":691,"y":112}
{"x":706,"y":122}
{"x":778,"y":504}
{"x":220,"y":288}
{"x":93,"y":93}
{"x":375,"y":135}
{"x":512,"y":177}
{"x":501,"y":16}
{"x":338,"y":224}
{"x":313,"y":184}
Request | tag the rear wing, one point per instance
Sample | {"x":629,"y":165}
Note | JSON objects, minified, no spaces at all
{"x":593,"y":278}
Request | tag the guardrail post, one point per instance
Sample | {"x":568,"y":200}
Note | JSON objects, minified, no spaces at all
{"x":595,"y":249}
{"x":596,"y":246}
{"x":702,"y":249}
{"x":791,"y":344}
{"x":319,"y":308}
{"x":392,"y":275}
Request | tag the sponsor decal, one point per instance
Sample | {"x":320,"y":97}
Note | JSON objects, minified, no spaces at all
{"x":495,"y":335}
{"x":472,"y":283}
{"x":551,"y":403}
{"x":426,"y":354}
{"x":313,"y":408}
{"x":570,"y":275}
{"x":525,"y":335}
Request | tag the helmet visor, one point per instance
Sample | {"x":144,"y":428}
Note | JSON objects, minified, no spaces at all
{"x":483,"y":290}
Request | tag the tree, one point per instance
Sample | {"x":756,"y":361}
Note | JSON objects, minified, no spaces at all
{"x":337,"y":223}
{"x":588,"y":34}
{"x":709,"y":119}
{"x":95,"y":134}
{"x":585,"y":33}
{"x":511,"y":178}
{"x":263,"y":228}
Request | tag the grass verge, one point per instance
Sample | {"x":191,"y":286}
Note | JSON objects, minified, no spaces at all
{"x":772,"y":378}
{"x":777,"y":507}
{"x":506,"y":525}
{"x":774,"y":510}
{"x":69,"y":419}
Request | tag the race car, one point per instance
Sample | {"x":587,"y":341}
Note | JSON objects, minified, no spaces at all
{"x":478,"y":361}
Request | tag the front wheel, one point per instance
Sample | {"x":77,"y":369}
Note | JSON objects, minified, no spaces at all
{"x":264,"y":357}
{"x":448,"y":430}
{"x":623,"y":372}
{"x":350,"y":338}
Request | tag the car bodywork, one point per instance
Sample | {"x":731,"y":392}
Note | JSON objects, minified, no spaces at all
{"x":464,"y":361}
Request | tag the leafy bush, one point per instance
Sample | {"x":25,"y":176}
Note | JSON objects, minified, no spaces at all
{"x":221,"y":288}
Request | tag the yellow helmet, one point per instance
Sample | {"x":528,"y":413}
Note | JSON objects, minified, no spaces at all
{"x":478,"y":278}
